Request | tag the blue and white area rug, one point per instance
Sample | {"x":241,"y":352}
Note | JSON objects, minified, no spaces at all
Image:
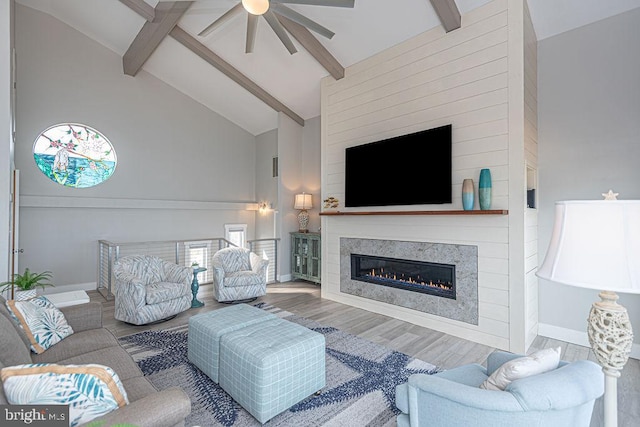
{"x":361,"y":379}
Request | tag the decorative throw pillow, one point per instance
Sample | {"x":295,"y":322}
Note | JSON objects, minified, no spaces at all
{"x":90,"y":390}
{"x":42,"y":321}
{"x":536,"y":363}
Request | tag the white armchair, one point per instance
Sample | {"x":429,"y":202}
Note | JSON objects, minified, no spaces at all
{"x":149,"y":289}
{"x":238,"y":275}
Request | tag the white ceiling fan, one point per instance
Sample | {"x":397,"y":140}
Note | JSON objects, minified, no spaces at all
{"x":273,"y":11}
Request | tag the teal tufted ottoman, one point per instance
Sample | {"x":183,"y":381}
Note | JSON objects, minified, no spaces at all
{"x":205,"y":330}
{"x":268,"y":367}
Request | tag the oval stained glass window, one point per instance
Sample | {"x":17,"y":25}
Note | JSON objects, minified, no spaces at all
{"x":74,"y":155}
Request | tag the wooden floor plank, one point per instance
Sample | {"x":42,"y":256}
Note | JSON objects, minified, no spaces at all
{"x":442,"y":350}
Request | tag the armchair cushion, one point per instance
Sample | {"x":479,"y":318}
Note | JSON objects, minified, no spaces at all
{"x":242,"y":278}
{"x":162,"y":291}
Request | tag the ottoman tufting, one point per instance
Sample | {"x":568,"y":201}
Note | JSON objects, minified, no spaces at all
{"x":268,"y":367}
{"x":205,"y":330}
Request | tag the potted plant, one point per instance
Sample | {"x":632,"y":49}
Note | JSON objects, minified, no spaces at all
{"x":195,"y":265}
{"x":27,"y":283}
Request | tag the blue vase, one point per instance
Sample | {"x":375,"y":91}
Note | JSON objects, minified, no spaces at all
{"x":467,"y":195}
{"x":484,"y":190}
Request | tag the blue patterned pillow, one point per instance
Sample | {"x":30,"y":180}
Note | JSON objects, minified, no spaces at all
{"x":90,"y":390}
{"x":43,"y":323}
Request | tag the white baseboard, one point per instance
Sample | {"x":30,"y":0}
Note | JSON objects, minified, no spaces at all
{"x":91,"y":286}
{"x":284,"y":278}
{"x":576,"y":337}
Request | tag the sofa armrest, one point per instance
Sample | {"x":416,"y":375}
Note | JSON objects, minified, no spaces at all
{"x":83,"y":317}
{"x":165,"y":408}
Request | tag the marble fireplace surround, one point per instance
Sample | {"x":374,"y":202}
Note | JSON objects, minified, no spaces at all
{"x":465,"y":257}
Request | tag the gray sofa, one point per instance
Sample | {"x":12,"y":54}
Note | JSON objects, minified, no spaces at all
{"x":91,"y":343}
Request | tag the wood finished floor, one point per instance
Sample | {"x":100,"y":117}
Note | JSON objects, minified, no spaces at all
{"x":440,"y":349}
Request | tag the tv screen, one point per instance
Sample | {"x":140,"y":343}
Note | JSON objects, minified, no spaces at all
{"x":413,"y":169}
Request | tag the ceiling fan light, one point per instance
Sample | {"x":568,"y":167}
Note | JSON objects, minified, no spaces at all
{"x":256,"y":7}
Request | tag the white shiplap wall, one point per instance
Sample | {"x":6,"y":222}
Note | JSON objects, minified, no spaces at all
{"x":531,"y":162}
{"x":433,"y":79}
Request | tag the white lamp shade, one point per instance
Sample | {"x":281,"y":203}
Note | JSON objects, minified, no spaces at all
{"x":256,"y":7}
{"x":595,"y":244}
{"x":303,"y":201}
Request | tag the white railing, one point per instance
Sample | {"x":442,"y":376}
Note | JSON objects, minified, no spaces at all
{"x":181,"y":252}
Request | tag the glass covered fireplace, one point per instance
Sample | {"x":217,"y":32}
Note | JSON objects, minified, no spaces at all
{"x":418,"y":276}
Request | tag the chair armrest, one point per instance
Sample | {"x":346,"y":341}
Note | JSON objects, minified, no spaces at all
{"x":174,"y":273}
{"x":83,"y":317}
{"x":162,"y":409}
{"x":258,"y":264}
{"x":571,"y":385}
{"x":217,"y":272}
{"x":461,"y":394}
{"x":130,"y":289}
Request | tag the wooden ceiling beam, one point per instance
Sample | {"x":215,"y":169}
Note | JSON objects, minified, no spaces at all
{"x":166,"y":17}
{"x":448,"y":13}
{"x":314,"y":47}
{"x":190,"y":42}
{"x":142,"y":8}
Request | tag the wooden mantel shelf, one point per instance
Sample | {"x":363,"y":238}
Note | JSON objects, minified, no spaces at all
{"x":460,"y":212}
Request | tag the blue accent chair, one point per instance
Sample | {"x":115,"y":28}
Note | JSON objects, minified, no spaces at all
{"x":562,"y":397}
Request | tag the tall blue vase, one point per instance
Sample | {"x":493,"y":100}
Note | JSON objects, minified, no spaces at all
{"x":467,"y":195}
{"x":484,"y":190}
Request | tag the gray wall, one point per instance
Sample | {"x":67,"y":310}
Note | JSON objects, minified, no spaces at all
{"x":266,"y":183}
{"x":311,"y":168}
{"x":589,"y":139}
{"x":169,"y":148}
{"x":5,"y":135}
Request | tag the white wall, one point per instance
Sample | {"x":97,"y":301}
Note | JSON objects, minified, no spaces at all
{"x":589,"y":130}
{"x":529,"y":171}
{"x":196,"y":165}
{"x":6,"y":145}
{"x":433,"y":79}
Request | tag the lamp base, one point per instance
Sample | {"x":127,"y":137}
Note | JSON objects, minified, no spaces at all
{"x":611,"y":338}
{"x":303,"y":220}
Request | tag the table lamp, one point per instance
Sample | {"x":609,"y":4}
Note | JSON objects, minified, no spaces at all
{"x":303,"y":202}
{"x":595,"y":244}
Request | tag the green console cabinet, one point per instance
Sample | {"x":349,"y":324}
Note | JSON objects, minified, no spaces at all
{"x":305,"y":256}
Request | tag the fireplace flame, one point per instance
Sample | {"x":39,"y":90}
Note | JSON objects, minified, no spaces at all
{"x":381,"y":274}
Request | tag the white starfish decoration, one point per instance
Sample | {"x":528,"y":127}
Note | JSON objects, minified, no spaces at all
{"x":610,"y":195}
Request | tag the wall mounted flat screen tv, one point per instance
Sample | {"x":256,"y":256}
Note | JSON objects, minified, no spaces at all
{"x":413,"y":169}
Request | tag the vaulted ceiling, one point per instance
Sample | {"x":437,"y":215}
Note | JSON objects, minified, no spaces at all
{"x":249,"y":89}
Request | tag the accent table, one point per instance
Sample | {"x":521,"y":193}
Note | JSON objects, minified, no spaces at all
{"x":195,"y":286}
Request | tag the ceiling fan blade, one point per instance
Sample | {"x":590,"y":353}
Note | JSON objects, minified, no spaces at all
{"x":277,"y":27}
{"x":224,"y":18}
{"x":332,"y":3}
{"x":283,"y":10}
{"x":252,"y":29}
